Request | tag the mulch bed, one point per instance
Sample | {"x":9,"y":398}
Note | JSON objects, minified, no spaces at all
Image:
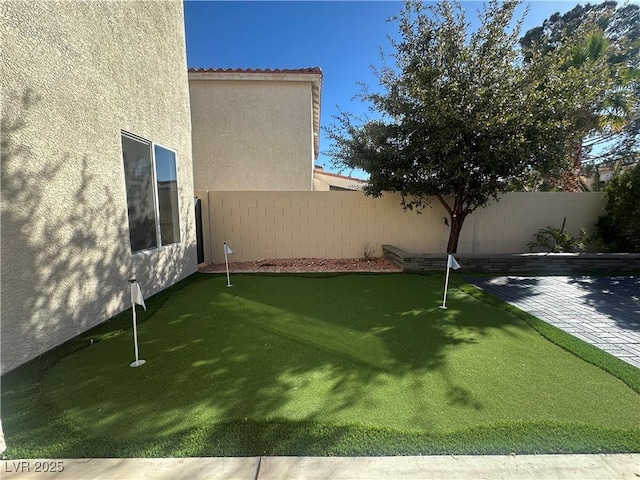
{"x":296,"y":265}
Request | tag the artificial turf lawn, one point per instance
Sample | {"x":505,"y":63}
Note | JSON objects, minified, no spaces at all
{"x":317,"y":365}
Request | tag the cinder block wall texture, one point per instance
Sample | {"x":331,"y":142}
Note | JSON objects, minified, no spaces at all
{"x":261,"y":225}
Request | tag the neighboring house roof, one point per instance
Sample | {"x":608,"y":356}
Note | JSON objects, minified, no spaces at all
{"x":312,"y":74}
{"x":258,"y":70}
{"x":338,"y":181}
{"x":605,"y":172}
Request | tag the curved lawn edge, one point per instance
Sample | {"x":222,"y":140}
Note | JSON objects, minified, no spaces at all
{"x":620,"y":369}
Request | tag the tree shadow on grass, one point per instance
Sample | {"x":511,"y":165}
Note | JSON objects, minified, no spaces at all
{"x":248,"y":353}
{"x":273,"y":366}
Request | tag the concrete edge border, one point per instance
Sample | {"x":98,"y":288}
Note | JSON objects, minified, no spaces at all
{"x":551,"y":263}
{"x":583,"y":466}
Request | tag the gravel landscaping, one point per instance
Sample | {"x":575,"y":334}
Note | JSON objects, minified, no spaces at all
{"x":298,"y":265}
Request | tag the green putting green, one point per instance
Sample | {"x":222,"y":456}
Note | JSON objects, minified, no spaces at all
{"x":301,"y":357}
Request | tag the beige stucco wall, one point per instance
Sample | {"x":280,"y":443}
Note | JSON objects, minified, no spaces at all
{"x":261,"y":225}
{"x":320,"y":186}
{"x":73,"y":75}
{"x":252,"y":134}
{"x":323,"y":181}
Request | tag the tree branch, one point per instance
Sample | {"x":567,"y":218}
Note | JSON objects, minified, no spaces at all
{"x":445,"y":204}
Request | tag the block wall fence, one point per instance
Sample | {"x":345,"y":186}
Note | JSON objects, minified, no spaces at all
{"x":262,"y":225}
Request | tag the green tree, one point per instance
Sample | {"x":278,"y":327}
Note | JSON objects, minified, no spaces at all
{"x":620,"y":227}
{"x":599,"y":43}
{"x":461,"y":117}
{"x":579,"y":78}
{"x":621,"y":25}
{"x":606,"y":107}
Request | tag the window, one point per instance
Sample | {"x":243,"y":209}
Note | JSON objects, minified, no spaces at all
{"x":167,"y":184}
{"x":152,"y":193}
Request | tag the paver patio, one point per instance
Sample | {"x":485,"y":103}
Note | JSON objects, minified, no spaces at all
{"x":604,"y":311}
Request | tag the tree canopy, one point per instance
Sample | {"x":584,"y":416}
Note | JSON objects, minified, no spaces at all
{"x":602,"y":40}
{"x":461,"y":117}
{"x":620,"y":227}
{"x":620,"y":24}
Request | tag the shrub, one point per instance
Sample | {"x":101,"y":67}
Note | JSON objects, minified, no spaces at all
{"x":558,"y":240}
{"x":367,"y":251}
{"x":620,"y":227}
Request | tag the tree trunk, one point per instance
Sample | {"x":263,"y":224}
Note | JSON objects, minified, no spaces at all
{"x":457,"y":216}
{"x":571,"y":179}
{"x":454,"y":235}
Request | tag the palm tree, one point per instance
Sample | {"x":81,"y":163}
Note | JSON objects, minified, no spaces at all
{"x":610,"y":104}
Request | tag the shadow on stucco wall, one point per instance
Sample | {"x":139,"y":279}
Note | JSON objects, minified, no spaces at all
{"x":65,"y":242}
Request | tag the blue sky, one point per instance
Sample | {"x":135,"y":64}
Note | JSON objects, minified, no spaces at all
{"x":342,"y":38}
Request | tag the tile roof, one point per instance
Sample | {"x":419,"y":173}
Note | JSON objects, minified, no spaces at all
{"x":322,"y":171}
{"x":258,"y":70}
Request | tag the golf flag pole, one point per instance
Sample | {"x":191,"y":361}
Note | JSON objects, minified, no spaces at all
{"x":136,"y":298}
{"x":451,"y":263}
{"x":227,"y":252}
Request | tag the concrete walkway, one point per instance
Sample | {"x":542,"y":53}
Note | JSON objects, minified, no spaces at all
{"x":512,"y":467}
{"x":604,"y":311}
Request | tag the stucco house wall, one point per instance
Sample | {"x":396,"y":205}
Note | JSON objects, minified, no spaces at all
{"x":254,"y":129}
{"x":73,"y":76}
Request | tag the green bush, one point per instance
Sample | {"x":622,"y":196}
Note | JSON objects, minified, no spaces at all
{"x":558,"y":240}
{"x":620,"y":227}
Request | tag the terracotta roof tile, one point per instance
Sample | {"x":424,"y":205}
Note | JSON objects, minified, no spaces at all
{"x":258,"y":70}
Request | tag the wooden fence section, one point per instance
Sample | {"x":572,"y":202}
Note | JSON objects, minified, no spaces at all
{"x":261,"y":225}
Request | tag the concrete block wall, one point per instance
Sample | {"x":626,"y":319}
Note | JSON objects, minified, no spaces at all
{"x":261,"y":225}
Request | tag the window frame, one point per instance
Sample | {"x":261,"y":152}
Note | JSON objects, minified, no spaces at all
{"x":154,"y":182}
{"x":156,"y":194}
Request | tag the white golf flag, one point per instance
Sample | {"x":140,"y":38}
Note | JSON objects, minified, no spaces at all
{"x":227,"y":250}
{"x":451,"y":263}
{"x":136,"y":295}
